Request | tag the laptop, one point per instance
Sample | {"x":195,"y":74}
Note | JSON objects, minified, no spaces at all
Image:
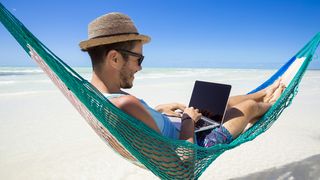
{"x":211,"y":99}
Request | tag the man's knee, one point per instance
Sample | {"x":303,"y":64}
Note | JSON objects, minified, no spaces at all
{"x":248,"y":108}
{"x":252,"y":107}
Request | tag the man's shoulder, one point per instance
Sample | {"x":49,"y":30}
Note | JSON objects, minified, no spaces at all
{"x":126,"y":101}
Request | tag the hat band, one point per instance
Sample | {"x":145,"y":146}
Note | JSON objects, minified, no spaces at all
{"x":119,"y":34}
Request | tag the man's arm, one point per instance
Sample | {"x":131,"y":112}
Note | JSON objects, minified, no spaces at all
{"x":189,"y":117}
{"x":131,"y":105}
{"x":171,"y":109}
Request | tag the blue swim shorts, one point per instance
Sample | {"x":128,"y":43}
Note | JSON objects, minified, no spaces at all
{"x":218,"y":135}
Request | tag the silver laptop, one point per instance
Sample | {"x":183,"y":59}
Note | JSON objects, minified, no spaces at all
{"x":211,"y":99}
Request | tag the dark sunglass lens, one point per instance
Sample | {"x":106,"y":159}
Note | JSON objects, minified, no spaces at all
{"x":140,"y":56}
{"x":140,"y":60}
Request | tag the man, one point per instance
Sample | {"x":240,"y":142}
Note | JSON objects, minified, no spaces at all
{"x":115,"y":48}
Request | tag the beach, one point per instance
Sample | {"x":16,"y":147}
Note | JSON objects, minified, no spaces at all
{"x":43,"y":136}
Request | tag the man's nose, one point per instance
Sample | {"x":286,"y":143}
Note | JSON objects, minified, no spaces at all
{"x":140,"y":68}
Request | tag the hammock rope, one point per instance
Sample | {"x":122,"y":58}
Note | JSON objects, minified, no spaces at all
{"x":132,"y":139}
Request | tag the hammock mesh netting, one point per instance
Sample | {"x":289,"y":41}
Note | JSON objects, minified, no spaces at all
{"x":132,"y":139}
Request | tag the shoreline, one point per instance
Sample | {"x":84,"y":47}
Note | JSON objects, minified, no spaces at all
{"x":171,"y":68}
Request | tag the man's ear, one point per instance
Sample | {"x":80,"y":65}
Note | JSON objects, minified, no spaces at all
{"x":113,"y":59}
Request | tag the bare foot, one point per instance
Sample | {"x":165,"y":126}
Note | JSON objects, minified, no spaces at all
{"x":277,"y":93}
{"x":270,"y":90}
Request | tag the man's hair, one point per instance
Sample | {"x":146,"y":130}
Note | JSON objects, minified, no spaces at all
{"x":98,"y":53}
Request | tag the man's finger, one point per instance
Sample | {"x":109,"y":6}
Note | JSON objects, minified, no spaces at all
{"x":173,"y":114}
{"x":179,"y":106}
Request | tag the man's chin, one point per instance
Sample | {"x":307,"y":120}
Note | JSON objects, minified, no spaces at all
{"x":127,"y":86}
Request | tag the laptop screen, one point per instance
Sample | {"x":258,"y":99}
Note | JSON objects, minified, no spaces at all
{"x":211,"y":99}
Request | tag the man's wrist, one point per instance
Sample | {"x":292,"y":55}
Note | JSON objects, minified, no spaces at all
{"x":187,"y":124}
{"x":185,"y":117}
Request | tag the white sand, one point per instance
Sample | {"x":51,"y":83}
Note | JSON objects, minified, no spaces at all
{"x":43,"y":137}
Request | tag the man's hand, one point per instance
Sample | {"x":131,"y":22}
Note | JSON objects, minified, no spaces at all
{"x":171,"y":109}
{"x":192,"y":113}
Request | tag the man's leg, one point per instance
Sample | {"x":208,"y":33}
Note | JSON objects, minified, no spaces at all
{"x":238,"y":116}
{"x":263,"y":95}
{"x":242,"y":111}
{"x":234,"y":100}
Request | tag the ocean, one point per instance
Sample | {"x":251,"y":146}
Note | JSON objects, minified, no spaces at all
{"x":30,"y":80}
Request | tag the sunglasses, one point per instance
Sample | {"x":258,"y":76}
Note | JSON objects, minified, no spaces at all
{"x":140,"y":56}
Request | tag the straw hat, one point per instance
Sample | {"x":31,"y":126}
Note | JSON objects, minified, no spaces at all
{"x":111,"y":28}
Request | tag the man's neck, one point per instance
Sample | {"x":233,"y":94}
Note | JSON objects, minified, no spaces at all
{"x":104,"y":86}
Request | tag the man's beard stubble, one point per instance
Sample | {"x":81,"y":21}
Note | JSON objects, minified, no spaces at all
{"x":125,"y":78}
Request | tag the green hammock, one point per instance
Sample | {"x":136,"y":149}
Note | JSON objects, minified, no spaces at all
{"x":166,"y":158}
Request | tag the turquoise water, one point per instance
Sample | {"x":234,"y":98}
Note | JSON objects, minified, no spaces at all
{"x":15,"y":80}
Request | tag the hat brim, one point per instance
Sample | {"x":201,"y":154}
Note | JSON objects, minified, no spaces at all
{"x":85,"y":45}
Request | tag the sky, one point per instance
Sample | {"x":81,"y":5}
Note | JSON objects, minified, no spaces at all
{"x":184,"y":33}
